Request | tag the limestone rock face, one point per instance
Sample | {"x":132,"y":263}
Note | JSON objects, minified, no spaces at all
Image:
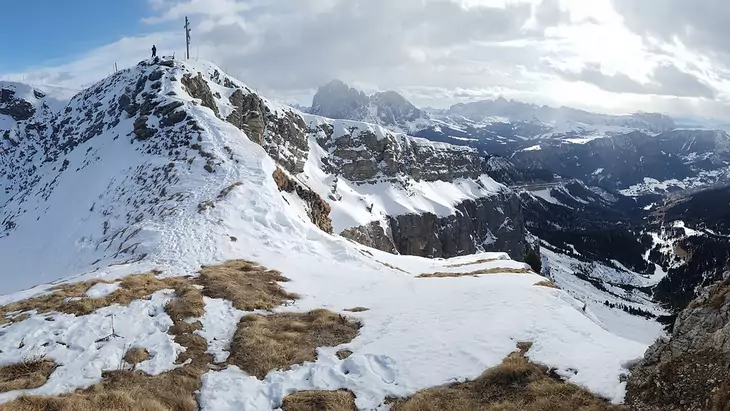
{"x":198,"y":88}
{"x":366,"y":155}
{"x":485,"y":224}
{"x":282,"y":135}
{"x":691,"y":370}
{"x":317,"y":209}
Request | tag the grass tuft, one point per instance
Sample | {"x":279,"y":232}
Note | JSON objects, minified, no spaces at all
{"x":136,"y":355}
{"x":124,"y":390}
{"x":484,"y":260}
{"x":548,"y":284}
{"x":498,"y":270}
{"x":29,"y":373}
{"x":247,"y":285}
{"x":320,"y":401}
{"x":269,"y":342}
{"x":71,"y":298}
{"x":514,"y":385}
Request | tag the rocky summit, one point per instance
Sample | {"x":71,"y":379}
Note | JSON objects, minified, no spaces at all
{"x":691,"y":369}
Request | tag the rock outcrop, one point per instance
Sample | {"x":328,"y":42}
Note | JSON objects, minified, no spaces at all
{"x":691,"y":370}
{"x":14,"y":107}
{"x":317,"y":209}
{"x":372,"y":154}
{"x":487,"y":224}
{"x":281,"y":134}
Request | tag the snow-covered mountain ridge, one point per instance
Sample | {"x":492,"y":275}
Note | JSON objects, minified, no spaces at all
{"x":142,"y":171}
{"x":167,"y":143}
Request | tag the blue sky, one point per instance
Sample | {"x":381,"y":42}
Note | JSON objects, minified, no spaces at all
{"x":40,"y":32}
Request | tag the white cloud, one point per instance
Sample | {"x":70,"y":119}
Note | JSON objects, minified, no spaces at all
{"x":597,"y":54}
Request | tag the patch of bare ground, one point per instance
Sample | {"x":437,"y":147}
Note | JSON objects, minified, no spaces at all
{"x":514,"y":385}
{"x":357,"y":309}
{"x":503,"y":270}
{"x":548,"y":284}
{"x":392,"y":267}
{"x":247,"y":285}
{"x":29,"y":373}
{"x":136,"y":355}
{"x":127,"y":389}
{"x":71,"y":298}
{"x":343,"y":354}
{"x":484,"y":260}
{"x":269,"y":342}
{"x":320,"y":401}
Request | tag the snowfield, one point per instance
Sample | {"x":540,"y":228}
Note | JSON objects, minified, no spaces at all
{"x":418,"y":332}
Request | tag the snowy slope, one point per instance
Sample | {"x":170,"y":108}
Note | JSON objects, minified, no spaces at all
{"x":393,"y":190}
{"x":142,"y":175}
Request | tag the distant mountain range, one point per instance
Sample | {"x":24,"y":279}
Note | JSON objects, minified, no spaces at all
{"x":638,"y":153}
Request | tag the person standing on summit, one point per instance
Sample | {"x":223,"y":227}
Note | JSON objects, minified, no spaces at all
{"x":154,"y":51}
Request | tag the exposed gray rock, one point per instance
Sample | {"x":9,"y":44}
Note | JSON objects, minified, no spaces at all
{"x":198,"y":88}
{"x":16,"y":108}
{"x":283,"y":136}
{"x":169,"y":113}
{"x":141,"y":130}
{"x":691,"y":370}
{"x":478,"y":225}
{"x":364,"y":156}
{"x":125,"y":103}
{"x":372,"y":235}
{"x":318,"y":210}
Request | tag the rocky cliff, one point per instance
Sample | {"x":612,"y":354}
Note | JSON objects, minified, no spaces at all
{"x":421,"y":197}
{"x":486,"y":224}
{"x":691,"y":370}
{"x":391,"y":177}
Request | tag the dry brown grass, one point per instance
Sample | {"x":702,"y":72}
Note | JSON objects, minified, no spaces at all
{"x":136,"y":355}
{"x":721,"y":399}
{"x":514,"y":385}
{"x":267,"y":342}
{"x":126,"y":390}
{"x":357,"y":309}
{"x":71,"y":298}
{"x":29,"y":373}
{"x":503,"y":270}
{"x":392,"y":267}
{"x":548,"y":284}
{"x":247,"y":285}
{"x":484,"y":260}
{"x":718,"y":299}
{"x":262,"y":343}
{"x":320,"y":401}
